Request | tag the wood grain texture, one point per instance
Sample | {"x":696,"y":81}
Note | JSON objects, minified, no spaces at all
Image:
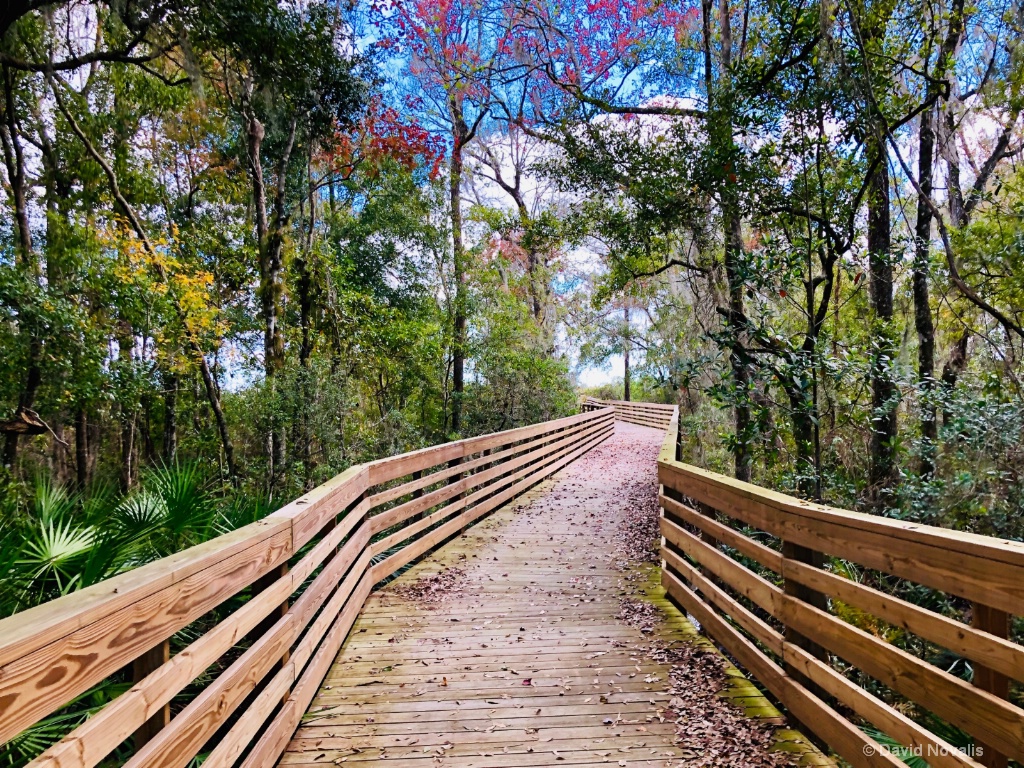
{"x":388,"y":469}
{"x":853,"y":745}
{"x":53,"y":653}
{"x":655,"y":415}
{"x":378,"y":518}
{"x":38,"y":683}
{"x":976,"y":567}
{"x":982,"y":569}
{"x":975,"y":643}
{"x":526,"y":664}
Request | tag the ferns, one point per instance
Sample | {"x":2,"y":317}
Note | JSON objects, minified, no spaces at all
{"x":60,"y":541}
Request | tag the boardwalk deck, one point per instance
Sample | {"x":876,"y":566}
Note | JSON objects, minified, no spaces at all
{"x":524,"y":662}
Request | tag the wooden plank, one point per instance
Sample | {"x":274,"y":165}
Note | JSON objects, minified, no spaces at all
{"x":408,"y":673}
{"x":995,"y":652}
{"x":464,"y":448}
{"x":267,"y":750}
{"x":567,"y":707}
{"x":421,"y":481}
{"x":38,"y":683}
{"x":340,"y":600}
{"x":145,"y":664}
{"x":313,"y":730}
{"x":995,"y":623}
{"x":981,"y":714}
{"x":743,"y":580}
{"x":420,"y":546}
{"x":330,"y":542}
{"x":333,"y":584}
{"x":176,"y":744}
{"x":384,"y":470}
{"x":403,"y":512}
{"x":940,"y":754}
{"x":718,"y":597}
{"x":227,"y":751}
{"x":533,"y":462}
{"x":35,"y":627}
{"x":982,"y":569}
{"x":519,"y":755}
{"x":159,"y":599}
{"x":848,"y":741}
{"x":397,"y":515}
{"x":309,"y":513}
{"x":746,"y":546}
{"x":471,"y":702}
{"x":179,"y":742}
{"x":584,"y":736}
{"x":98,"y":736}
{"x":518,"y":456}
{"x":814,"y":560}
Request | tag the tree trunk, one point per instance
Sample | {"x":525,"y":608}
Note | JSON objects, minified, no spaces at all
{"x":213,"y":396}
{"x":951,"y":373}
{"x":922,"y":306}
{"x":170,"y":438}
{"x":128,"y":416}
{"x":883,"y":388}
{"x":737,"y":361}
{"x":625,"y":357}
{"x":10,"y":134}
{"x":951,"y":153}
{"x":33,"y":378}
{"x":720,"y":133}
{"x":147,"y":450}
{"x":459,"y":270}
{"x":305,"y":290}
{"x":923,"y":322}
{"x":82,"y":448}
{"x":802,"y":421}
{"x":271,"y":291}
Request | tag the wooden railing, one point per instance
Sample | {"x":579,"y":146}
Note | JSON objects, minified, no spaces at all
{"x":656,"y":415}
{"x":264,"y":609}
{"x":756,"y":569}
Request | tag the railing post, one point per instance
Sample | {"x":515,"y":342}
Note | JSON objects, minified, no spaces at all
{"x":997,"y":623}
{"x":711,"y":541}
{"x":807,"y":556}
{"x":141,"y":667}
{"x":456,"y":478}
{"x":264,"y":626}
{"x":418,"y":493}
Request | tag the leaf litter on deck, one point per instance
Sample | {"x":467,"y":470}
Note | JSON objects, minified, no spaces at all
{"x":560,"y":573}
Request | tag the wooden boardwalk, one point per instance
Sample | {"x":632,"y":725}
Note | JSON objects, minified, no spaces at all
{"x":523,"y":661}
{"x":526,"y":661}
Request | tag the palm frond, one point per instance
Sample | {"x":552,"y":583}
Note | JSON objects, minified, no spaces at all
{"x":51,"y":550}
{"x":51,"y":501}
{"x":189,"y":511}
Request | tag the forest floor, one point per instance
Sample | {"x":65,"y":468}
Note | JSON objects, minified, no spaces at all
{"x":540,"y":638}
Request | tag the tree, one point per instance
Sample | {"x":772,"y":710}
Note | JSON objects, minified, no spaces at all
{"x":452,"y":51}
{"x":283,"y":68}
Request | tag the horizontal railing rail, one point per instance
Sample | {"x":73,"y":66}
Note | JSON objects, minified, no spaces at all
{"x":656,"y":415}
{"x":757,"y":570}
{"x":265,"y":608}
